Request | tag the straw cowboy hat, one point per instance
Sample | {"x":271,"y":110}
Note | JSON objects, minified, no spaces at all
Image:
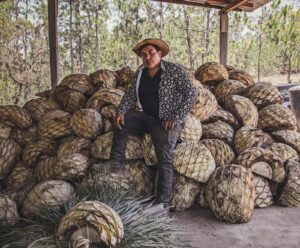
{"x":164,"y":48}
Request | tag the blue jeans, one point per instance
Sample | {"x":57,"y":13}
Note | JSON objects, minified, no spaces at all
{"x":164,"y":142}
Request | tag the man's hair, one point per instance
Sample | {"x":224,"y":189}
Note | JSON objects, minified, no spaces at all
{"x":157,"y":48}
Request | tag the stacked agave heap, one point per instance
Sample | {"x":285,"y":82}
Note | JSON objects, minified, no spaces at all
{"x":238,"y":149}
{"x":48,"y":146}
{"x":254,"y":142}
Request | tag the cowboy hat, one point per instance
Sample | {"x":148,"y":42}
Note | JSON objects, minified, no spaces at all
{"x":164,"y":48}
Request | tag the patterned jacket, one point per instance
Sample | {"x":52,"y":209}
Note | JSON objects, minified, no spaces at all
{"x":176,"y":93}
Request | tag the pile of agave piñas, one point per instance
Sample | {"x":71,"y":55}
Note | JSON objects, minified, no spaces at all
{"x":238,"y":149}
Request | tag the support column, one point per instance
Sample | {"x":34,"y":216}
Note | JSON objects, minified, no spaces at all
{"x":53,"y":42}
{"x":223,"y":38}
{"x":294,"y":94}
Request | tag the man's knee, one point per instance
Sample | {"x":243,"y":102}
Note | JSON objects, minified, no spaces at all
{"x":134,"y":121}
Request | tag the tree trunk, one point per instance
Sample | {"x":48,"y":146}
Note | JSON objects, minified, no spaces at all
{"x":260,"y":23}
{"x":18,"y":93}
{"x":259,"y":57}
{"x":25,"y":34}
{"x":188,"y":37}
{"x":16,"y":9}
{"x":207,"y":40}
{"x":5,"y":93}
{"x":71,"y":36}
{"x":80,"y":52}
{"x":289,"y":60}
{"x":27,"y":83}
{"x":161,"y":21}
{"x":16,"y":12}
{"x":97,"y":40}
{"x":90,"y":21}
{"x":27,"y":90}
{"x":137,"y":31}
{"x":79,"y":38}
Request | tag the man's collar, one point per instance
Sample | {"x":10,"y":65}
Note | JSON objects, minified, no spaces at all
{"x":162,"y":65}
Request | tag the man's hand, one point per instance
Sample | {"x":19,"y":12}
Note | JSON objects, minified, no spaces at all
{"x":168,"y":124}
{"x":119,"y":121}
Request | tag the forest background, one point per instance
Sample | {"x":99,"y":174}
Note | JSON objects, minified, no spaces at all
{"x":98,"y":34}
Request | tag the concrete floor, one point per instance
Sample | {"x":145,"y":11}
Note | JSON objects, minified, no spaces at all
{"x":269,"y":227}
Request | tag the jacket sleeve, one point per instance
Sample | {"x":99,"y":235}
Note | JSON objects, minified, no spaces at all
{"x":129,"y":99}
{"x":189,"y":95}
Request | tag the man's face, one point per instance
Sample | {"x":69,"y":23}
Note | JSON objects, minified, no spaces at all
{"x":151,"y":57}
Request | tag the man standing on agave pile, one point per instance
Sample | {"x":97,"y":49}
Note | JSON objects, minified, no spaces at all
{"x":164,"y":95}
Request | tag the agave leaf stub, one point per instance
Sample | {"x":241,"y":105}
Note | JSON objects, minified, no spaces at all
{"x":222,"y":153}
{"x":276,"y":117}
{"x":86,"y":123}
{"x":194,"y":161}
{"x":52,"y":194}
{"x":264,"y":197}
{"x":230,"y":193}
{"x":8,"y":211}
{"x":290,"y":195}
{"x":9,"y":153}
{"x":185,"y":191}
{"x":192,"y":129}
{"x":105,"y":224}
{"x":263,"y":162}
{"x":101,"y":147}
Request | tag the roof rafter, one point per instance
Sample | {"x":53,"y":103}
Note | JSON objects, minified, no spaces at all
{"x":234,"y":5}
{"x":189,"y":3}
{"x":230,"y":5}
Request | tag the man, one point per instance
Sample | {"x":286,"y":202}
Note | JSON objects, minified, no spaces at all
{"x":164,"y":95}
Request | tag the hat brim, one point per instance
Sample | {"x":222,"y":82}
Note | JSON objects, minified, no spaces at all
{"x":164,"y":48}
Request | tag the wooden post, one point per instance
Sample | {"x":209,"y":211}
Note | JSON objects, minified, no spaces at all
{"x":223,"y":38}
{"x":53,"y":43}
{"x":294,"y":94}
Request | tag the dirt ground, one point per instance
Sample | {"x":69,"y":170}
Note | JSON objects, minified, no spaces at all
{"x":274,"y":227}
{"x":280,"y":79}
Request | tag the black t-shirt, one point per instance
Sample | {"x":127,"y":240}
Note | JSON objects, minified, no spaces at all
{"x":148,"y":93}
